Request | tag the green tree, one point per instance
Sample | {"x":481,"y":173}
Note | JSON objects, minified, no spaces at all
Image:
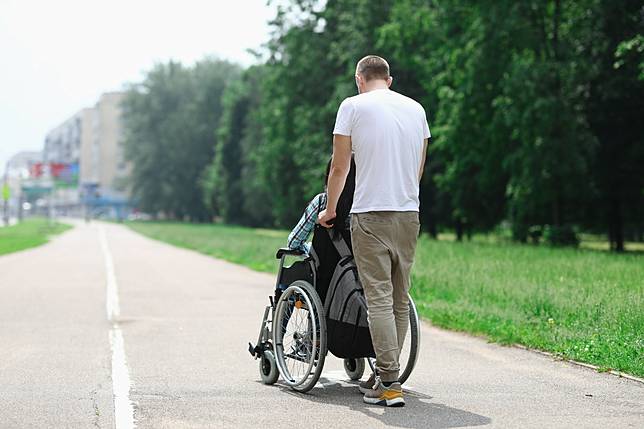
{"x":450,"y":56}
{"x":310,"y":70}
{"x":232,"y":186}
{"x":534,"y":108}
{"x":169,"y":122}
{"x":615,"y":110}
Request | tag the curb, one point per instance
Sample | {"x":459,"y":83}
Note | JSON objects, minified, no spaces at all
{"x":581,"y":364}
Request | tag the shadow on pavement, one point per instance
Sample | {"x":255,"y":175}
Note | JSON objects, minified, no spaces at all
{"x":418,"y":412}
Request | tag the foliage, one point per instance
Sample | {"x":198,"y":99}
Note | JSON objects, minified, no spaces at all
{"x":561,"y":235}
{"x":615,"y":109}
{"x":535,"y":109}
{"x":170,"y":120}
{"x":234,"y":186}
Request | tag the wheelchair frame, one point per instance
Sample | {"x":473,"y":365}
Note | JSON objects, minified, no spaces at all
{"x":304,"y":269}
{"x":265,"y":332}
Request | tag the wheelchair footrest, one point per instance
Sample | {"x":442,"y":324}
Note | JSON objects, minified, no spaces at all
{"x":255,"y":351}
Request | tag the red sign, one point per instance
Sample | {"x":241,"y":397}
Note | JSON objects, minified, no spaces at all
{"x":36,"y":169}
{"x":55,"y":169}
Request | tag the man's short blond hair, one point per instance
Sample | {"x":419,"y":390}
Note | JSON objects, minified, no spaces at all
{"x":373,"y":67}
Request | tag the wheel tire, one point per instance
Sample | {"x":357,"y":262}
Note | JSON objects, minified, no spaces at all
{"x":268,"y":368}
{"x":314,"y":298}
{"x":414,"y":330}
{"x":354,"y":368}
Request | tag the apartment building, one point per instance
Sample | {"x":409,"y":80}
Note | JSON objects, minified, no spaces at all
{"x":108,"y":165}
{"x":87,"y":148}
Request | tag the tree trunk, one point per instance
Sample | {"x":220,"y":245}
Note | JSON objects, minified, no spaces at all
{"x":433,"y":231}
{"x":556,"y":210}
{"x":428,"y":223}
{"x":616,"y":226}
{"x":459,"y":229}
{"x":557,"y":126}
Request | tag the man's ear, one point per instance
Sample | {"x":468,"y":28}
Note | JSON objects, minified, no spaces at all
{"x":359,"y":83}
{"x":390,"y":79}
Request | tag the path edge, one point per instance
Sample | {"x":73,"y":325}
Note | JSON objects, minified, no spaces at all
{"x":580,"y":364}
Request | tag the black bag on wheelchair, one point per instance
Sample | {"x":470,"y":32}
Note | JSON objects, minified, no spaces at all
{"x":345,"y":308}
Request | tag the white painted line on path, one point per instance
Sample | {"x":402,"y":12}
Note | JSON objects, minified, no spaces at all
{"x":123,"y":408}
{"x":112,"y":293}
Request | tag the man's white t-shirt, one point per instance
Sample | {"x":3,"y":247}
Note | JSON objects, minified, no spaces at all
{"x":387,"y":131}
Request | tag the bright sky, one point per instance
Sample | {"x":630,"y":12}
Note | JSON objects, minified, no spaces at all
{"x":58,"y":56}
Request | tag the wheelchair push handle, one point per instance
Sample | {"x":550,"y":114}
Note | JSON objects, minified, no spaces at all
{"x":286,"y":251}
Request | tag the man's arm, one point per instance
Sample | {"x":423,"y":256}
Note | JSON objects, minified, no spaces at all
{"x":340,"y":166}
{"x":423,"y":158}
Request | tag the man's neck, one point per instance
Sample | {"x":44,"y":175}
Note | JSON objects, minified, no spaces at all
{"x":375,"y":85}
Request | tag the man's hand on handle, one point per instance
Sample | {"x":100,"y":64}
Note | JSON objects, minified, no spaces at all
{"x":325,"y":218}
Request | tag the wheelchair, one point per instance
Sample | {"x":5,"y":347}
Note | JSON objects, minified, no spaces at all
{"x":292,"y":340}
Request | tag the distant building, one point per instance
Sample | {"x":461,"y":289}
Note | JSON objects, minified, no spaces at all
{"x":88,"y":172}
{"x":87,"y":147}
{"x":62,"y":144}
{"x":108,"y":165}
{"x":63,"y":149}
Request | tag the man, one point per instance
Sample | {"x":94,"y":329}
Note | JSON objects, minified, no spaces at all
{"x":388,"y":134}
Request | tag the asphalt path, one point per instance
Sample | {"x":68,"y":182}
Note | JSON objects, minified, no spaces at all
{"x":185,"y":320}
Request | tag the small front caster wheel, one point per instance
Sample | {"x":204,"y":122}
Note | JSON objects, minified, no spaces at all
{"x":268,"y":368}
{"x":354,"y":368}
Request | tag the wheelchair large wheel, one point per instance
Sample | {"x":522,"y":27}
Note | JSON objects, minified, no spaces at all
{"x":411,"y":346}
{"x":299,"y":336}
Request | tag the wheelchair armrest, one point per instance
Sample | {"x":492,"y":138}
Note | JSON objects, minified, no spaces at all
{"x":286,"y":251}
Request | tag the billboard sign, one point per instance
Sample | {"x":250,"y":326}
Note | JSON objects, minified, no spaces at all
{"x":64,"y":175}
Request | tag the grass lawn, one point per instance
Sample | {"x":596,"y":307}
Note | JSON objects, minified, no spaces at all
{"x":585,"y":305}
{"x":28,"y":233}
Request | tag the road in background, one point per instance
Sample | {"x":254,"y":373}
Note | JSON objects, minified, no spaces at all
{"x":186,"y":320}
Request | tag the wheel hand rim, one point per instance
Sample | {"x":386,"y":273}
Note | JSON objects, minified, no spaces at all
{"x":304,"y":333}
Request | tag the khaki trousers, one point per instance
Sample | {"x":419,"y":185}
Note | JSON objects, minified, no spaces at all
{"x":384,"y":244}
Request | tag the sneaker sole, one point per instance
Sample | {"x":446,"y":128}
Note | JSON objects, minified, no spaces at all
{"x":364,"y":390}
{"x":396,"y":402}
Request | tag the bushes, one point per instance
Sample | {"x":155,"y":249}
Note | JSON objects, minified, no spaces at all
{"x":554,"y":235}
{"x":563,"y":235}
